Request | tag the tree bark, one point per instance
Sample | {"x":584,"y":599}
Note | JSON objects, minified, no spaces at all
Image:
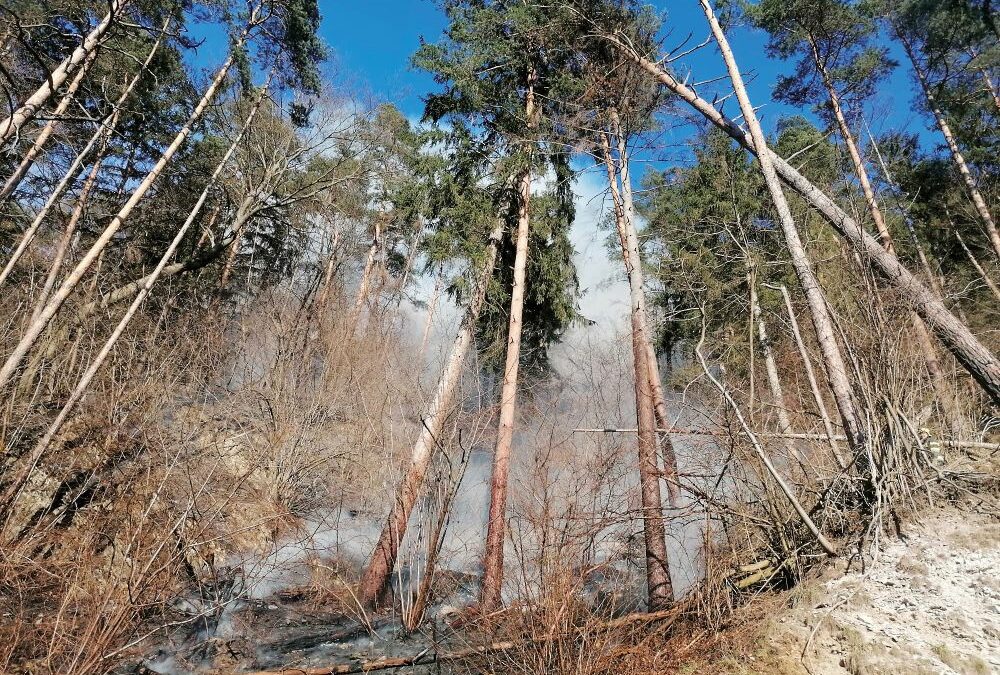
{"x":489,"y":597}
{"x":956,"y":154}
{"x":10,"y":126}
{"x":74,"y":218}
{"x":36,"y":327}
{"x":383,"y":558}
{"x":934,"y":370}
{"x":773,"y":378}
{"x":833,"y":360}
{"x":658,"y":584}
{"x":954,"y":334}
{"x":659,"y":400}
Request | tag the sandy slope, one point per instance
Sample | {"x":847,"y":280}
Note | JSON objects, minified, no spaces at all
{"x":928,"y":604}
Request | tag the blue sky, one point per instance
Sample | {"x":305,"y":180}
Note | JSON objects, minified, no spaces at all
{"x":372,"y":42}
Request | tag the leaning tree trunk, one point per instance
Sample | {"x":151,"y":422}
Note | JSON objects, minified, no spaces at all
{"x":40,"y":447}
{"x":934,"y":370}
{"x":833,"y":360}
{"x":10,"y":126}
{"x":383,"y":558}
{"x":101,"y":134}
{"x":46,"y":133}
{"x":489,"y":597}
{"x":977,"y":360}
{"x":67,"y":236}
{"x":36,"y":327}
{"x":956,"y":154}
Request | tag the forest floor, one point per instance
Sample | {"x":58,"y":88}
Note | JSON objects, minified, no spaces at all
{"x":928,"y":603}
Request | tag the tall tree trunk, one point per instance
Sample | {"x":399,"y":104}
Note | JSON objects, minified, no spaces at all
{"x":658,"y":584}
{"x":43,"y":136}
{"x":10,"y":126}
{"x":383,"y":558}
{"x":833,"y":360}
{"x":954,"y":334}
{"x":489,"y":597}
{"x":73,"y":278}
{"x":659,"y":400}
{"x":956,"y":154}
{"x":101,"y":134}
{"x":931,"y":360}
{"x":81,"y":387}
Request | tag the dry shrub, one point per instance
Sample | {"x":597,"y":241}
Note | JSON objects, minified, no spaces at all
{"x":205,"y":443}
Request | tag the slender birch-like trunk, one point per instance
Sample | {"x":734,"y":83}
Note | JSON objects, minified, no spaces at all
{"x":489,"y":597}
{"x":46,"y":133}
{"x":931,"y":360}
{"x":81,"y":387}
{"x":811,"y":377}
{"x":36,"y":327}
{"x":978,"y":267}
{"x":10,"y":126}
{"x":833,"y":360}
{"x":977,"y":360}
{"x":773,"y":378}
{"x":67,"y":236}
{"x":658,"y":584}
{"x":659,"y":400}
{"x":956,"y":154}
{"x":100,"y":135}
{"x":383,"y":558}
